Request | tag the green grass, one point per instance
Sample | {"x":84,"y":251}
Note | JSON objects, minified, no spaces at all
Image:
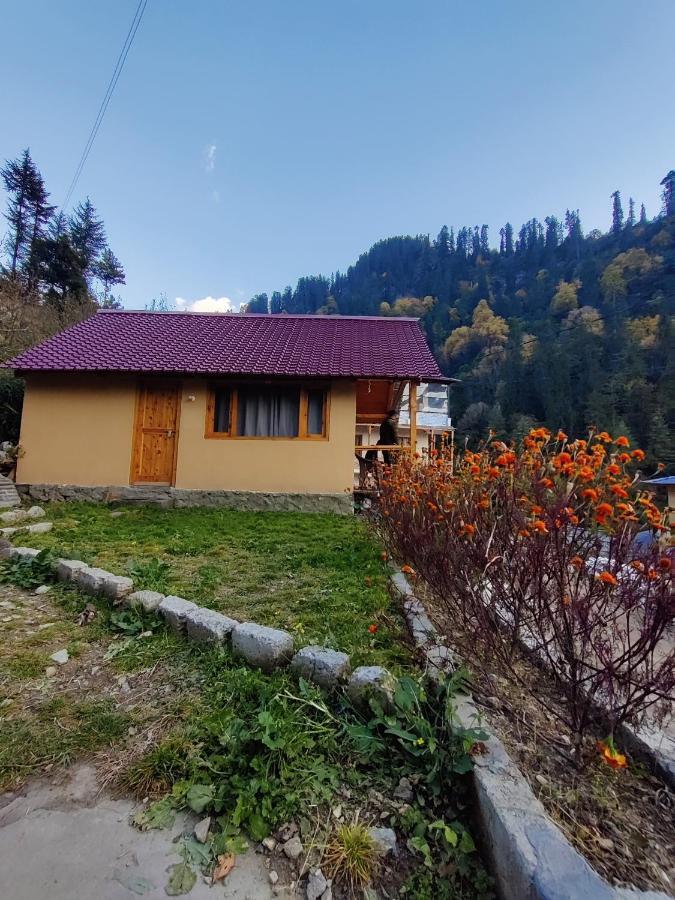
{"x":60,"y":730}
{"x":320,"y":576}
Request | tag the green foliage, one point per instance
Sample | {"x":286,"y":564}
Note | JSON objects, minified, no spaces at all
{"x":28,"y":572}
{"x":11,"y":403}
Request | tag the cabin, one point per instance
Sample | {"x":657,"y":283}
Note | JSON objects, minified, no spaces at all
{"x":255,"y":411}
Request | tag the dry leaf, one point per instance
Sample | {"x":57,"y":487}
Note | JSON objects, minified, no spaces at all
{"x":224,"y":867}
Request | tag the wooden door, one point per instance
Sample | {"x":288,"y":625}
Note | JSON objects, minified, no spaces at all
{"x":156,"y":434}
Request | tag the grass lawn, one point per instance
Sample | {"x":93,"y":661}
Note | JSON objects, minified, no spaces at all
{"x":319,"y":576}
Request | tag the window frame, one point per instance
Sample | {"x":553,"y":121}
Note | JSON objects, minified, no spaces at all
{"x":303,"y":414}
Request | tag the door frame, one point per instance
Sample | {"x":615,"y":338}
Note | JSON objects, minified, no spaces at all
{"x":141,"y":387}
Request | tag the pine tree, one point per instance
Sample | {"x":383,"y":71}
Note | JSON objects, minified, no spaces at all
{"x":442,"y":243}
{"x":27,"y":208}
{"x":643,"y":214}
{"x":508,"y":239}
{"x":668,"y":194}
{"x":257,"y":304}
{"x":108,"y":269}
{"x":87,"y":235}
{"x":617,"y":213}
{"x":275,"y":303}
{"x":484,"y":242}
{"x":630,"y":221}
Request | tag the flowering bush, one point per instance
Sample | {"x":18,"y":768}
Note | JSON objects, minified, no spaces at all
{"x":533,"y":548}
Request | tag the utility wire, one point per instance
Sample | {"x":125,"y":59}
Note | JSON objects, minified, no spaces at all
{"x":114,"y":78}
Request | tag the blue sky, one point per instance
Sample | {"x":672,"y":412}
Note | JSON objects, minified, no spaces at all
{"x":249,"y":143}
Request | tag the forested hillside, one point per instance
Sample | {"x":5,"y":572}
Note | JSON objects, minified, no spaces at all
{"x":555,"y":326}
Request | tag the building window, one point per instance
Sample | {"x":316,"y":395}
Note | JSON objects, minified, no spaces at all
{"x":267,"y":411}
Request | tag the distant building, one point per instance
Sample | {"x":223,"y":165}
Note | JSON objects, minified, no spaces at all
{"x":666,"y":482}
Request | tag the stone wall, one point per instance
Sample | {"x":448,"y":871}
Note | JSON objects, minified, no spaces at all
{"x":340,"y":504}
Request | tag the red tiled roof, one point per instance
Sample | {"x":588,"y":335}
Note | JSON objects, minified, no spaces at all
{"x":218,"y":344}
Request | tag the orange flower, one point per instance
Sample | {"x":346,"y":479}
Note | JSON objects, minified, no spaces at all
{"x":372,"y":628}
{"x":561,"y":436}
{"x":611,"y":756}
{"x":540,"y":526}
{"x":607,"y":578}
{"x":665,"y":564}
{"x":546,"y":483}
{"x":618,"y":491}
{"x":407,"y":570}
{"x":622,"y":441}
{"x":603,"y":436}
{"x":467,"y":530}
{"x":484,"y":503}
{"x":638,"y":454}
{"x":493,"y":473}
{"x":613,"y":469}
{"x":586,"y":473}
{"x":624,"y":457}
{"x":577,"y":562}
{"x":638,"y":566}
{"x":590,"y":494}
{"x":537,"y":510}
{"x":523,"y":532}
{"x":475,"y":470}
{"x":604,"y":509}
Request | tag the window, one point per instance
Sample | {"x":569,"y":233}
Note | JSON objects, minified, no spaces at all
{"x":267,"y":411}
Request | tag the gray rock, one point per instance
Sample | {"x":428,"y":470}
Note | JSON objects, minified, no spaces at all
{"x":43,"y":589}
{"x":371,"y":682}
{"x":50,"y":671}
{"x":35,"y":512}
{"x":264,"y":647}
{"x":23,"y":552}
{"x":8,"y":532}
{"x":67,"y":569}
{"x":61,"y":657}
{"x":404,"y":791}
{"x":90,"y":579}
{"x":293,"y":848}
{"x":174,"y":609}
{"x":14,"y":516}
{"x":208,"y":626}
{"x":316,"y":884}
{"x":322,"y":666}
{"x":273,"y":876}
{"x":40,"y":528}
{"x":116,"y":586}
{"x":201,"y":829}
{"x":5,"y":549}
{"x":384,"y":840}
{"x":148,"y":600}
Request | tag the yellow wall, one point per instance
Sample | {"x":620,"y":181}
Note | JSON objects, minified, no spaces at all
{"x":78,"y":430}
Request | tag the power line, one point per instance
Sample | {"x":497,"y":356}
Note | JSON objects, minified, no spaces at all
{"x":114,"y":78}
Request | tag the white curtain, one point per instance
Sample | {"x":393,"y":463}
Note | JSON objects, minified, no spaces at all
{"x":268,"y":411}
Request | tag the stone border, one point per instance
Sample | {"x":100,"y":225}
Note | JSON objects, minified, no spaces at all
{"x":171,"y":497}
{"x":258,"y":645}
{"x":530,"y":857}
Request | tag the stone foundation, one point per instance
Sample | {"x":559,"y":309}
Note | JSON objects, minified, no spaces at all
{"x":171,"y":497}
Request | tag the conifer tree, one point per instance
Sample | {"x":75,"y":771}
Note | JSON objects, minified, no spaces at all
{"x":87,"y":235}
{"x":617,"y":213}
{"x":630,"y":221}
{"x":668,"y":194}
{"x":643,"y":214}
{"x":28,"y":210}
{"x":108,"y":269}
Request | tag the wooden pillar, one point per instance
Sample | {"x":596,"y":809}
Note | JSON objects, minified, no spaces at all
{"x":413,"y":417}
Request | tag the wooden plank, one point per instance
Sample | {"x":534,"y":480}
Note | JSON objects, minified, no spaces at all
{"x":413,"y":418}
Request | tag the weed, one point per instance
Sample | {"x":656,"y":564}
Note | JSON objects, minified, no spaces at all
{"x":28,"y":572}
{"x":150,"y":574}
{"x":351,"y":856}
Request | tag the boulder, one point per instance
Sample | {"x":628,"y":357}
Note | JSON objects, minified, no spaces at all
{"x":14,"y":516}
{"x":322,"y":666}
{"x":148,"y":600}
{"x":372,"y":682}
{"x":208,"y":626}
{"x":316,"y":884}
{"x":35,"y":512}
{"x":263,"y":647}
{"x":23,"y":553}
{"x":174,"y":609}
{"x":67,"y":569}
{"x":40,"y":528}
{"x":90,"y":579}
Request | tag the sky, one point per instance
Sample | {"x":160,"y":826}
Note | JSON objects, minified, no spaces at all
{"x":250,"y":142}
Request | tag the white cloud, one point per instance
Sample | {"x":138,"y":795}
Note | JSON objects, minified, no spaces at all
{"x":206,"y":304}
{"x":210,"y":157}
